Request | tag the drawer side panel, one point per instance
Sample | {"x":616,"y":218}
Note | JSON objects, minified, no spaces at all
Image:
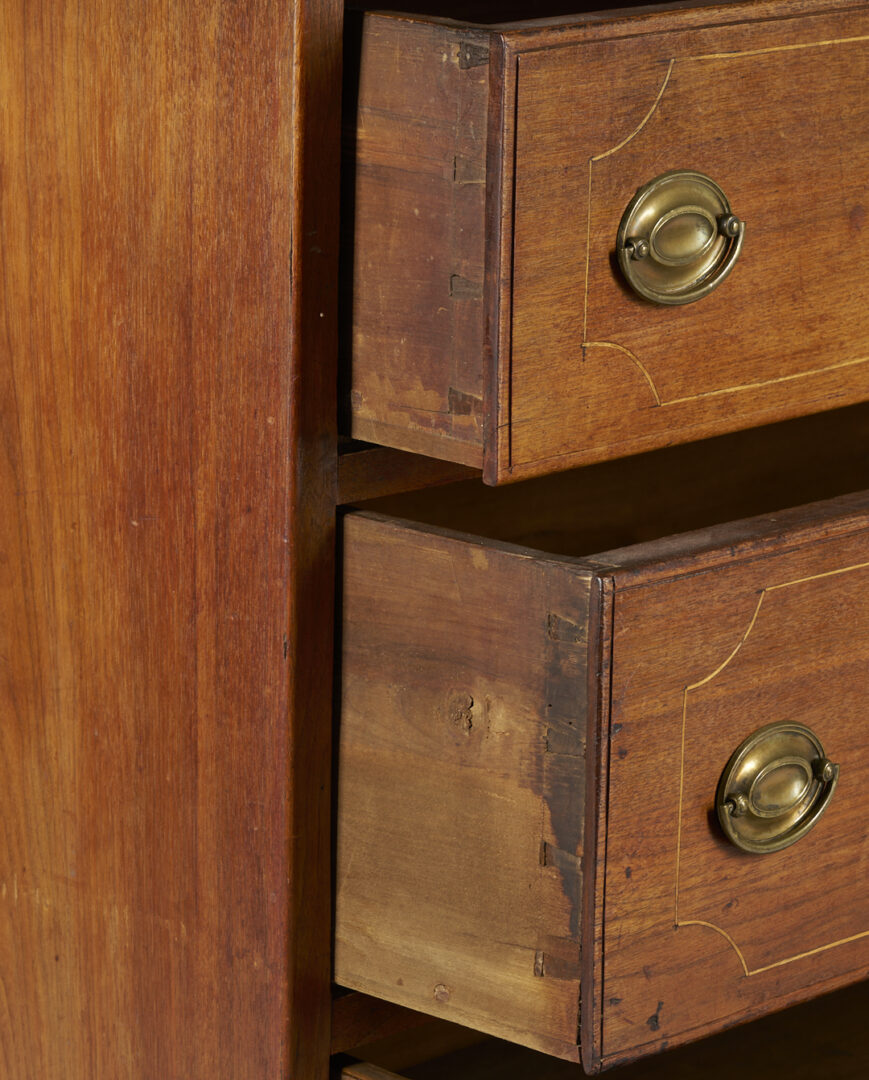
{"x":418,"y":224}
{"x":462,"y":787}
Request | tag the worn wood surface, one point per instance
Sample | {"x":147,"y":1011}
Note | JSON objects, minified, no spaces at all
{"x":418,"y":197}
{"x":460,"y":791}
{"x":571,"y":368}
{"x":164,"y":843}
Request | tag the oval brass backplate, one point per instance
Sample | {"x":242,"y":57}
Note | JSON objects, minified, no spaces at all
{"x":678,"y":238}
{"x":775,"y":787}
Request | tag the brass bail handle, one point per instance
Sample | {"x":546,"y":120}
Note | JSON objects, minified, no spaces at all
{"x":678,"y":238}
{"x":775,"y":787}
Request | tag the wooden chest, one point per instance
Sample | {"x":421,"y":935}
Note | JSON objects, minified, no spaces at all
{"x":532,"y":740}
{"x":491,"y":321}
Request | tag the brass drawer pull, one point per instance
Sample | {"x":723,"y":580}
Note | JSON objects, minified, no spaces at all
{"x":678,"y":238}
{"x":775,"y":787}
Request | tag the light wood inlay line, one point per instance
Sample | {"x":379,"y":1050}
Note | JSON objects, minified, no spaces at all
{"x":634,"y":359}
{"x":768,"y":382}
{"x":694,"y":686}
{"x":742,"y":641}
{"x":724,"y":390}
{"x":600,"y":157}
{"x":725,"y":935}
{"x":779,"y":963}
{"x":588,"y":258}
{"x":777,"y":48}
{"x":615,"y":149}
{"x":679,"y":818}
{"x":811,"y":952}
{"x":817,"y":577}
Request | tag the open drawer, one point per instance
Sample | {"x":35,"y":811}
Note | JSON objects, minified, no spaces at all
{"x":492,"y":171}
{"x":532,"y":743}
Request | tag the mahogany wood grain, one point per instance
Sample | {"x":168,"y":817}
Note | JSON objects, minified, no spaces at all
{"x":166,"y":185}
{"x":775,"y":340}
{"x":569,"y":366}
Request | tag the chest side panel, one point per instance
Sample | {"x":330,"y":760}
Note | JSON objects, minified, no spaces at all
{"x":415,"y":211}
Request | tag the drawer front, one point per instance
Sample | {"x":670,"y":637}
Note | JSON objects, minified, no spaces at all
{"x":777,"y":114}
{"x":530,"y":748}
{"x":695,"y":932}
{"x":492,"y":324}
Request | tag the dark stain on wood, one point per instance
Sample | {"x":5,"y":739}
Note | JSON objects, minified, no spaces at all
{"x":472,"y":55}
{"x":463,"y":289}
{"x":565,"y":693}
{"x":654,"y":1021}
{"x":462,"y":404}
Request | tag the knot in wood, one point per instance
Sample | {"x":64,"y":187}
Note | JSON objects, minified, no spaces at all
{"x":460,"y":711}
